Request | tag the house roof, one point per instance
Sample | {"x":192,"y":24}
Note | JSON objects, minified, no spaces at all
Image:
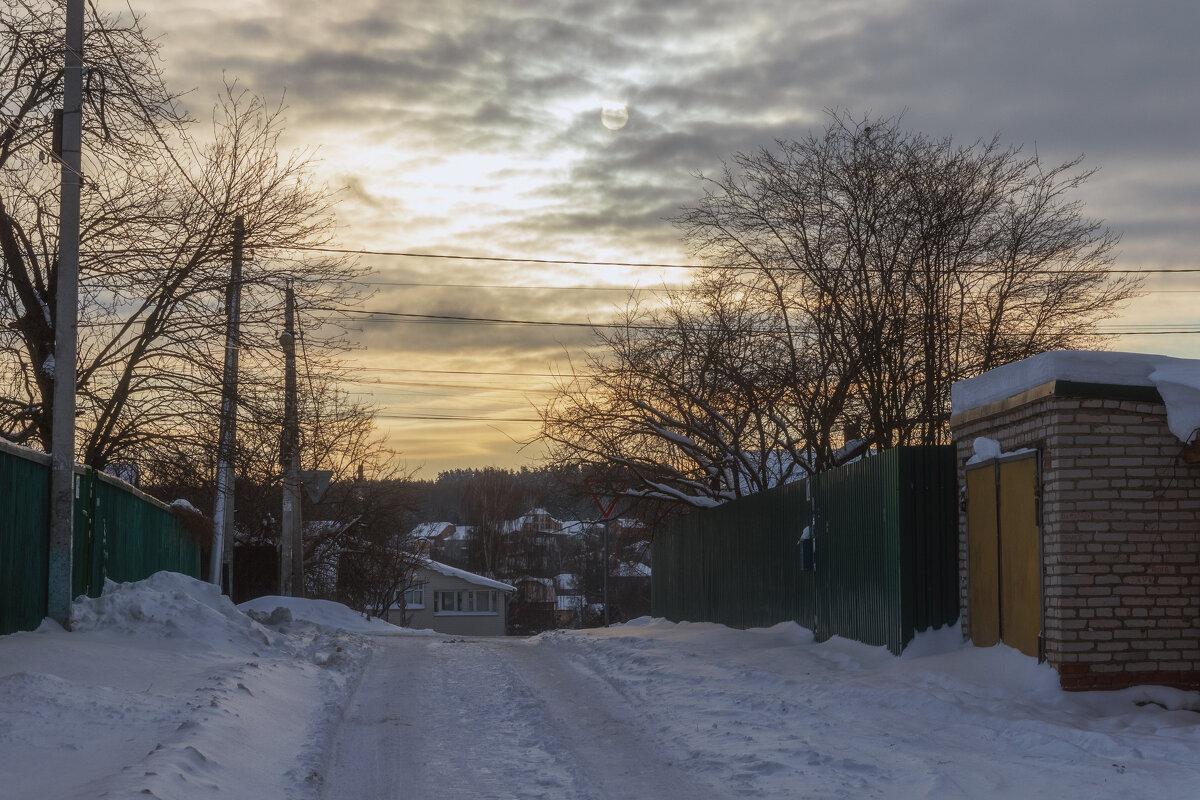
{"x":429,"y":530}
{"x":537,"y":518}
{"x":469,"y":577}
{"x":531,"y":579}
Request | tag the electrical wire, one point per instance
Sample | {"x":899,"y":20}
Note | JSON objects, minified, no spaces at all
{"x":420,"y":384}
{"x":653,"y":265}
{"x":508,"y":259}
{"x":460,"y":372}
{"x":454,"y":418}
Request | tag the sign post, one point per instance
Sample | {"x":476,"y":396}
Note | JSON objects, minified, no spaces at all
{"x":605,"y":515}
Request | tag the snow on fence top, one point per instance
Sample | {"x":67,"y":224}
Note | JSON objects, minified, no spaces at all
{"x":1176,"y":379}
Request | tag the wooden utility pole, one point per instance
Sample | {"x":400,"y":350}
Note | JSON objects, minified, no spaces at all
{"x":66,"y":321}
{"x":222,"y":549}
{"x":291,"y":554}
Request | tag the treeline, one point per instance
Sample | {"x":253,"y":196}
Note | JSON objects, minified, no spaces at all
{"x":492,"y":494}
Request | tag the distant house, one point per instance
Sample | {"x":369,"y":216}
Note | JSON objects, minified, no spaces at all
{"x":444,"y":542}
{"x":537,"y":520}
{"x":569,"y":610}
{"x":454,"y":601}
{"x":534,"y":605}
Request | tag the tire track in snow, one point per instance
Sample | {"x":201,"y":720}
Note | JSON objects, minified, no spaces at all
{"x":492,"y":718}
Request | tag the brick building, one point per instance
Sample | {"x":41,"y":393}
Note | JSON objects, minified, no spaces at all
{"x":1079,"y":533}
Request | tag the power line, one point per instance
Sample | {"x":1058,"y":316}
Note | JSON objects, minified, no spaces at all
{"x":453,"y":418}
{"x":1151,"y":333}
{"x":508,"y":259}
{"x":510,"y":286}
{"x":401,"y":316}
{"x":398,"y":316}
{"x":46,"y":151}
{"x":420,"y":384}
{"x":460,"y":372}
{"x":577,"y":262}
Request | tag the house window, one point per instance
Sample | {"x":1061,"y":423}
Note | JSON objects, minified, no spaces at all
{"x":480,"y":601}
{"x":414,"y":596}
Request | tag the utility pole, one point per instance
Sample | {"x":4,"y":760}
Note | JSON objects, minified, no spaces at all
{"x":222,"y":549}
{"x":607,"y":523}
{"x":291,"y":555}
{"x":66,"y":321}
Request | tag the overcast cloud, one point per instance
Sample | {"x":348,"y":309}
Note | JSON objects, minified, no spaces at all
{"x":474,"y":128}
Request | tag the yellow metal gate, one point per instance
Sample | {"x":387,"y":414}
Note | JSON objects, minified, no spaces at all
{"x":1004,"y":553}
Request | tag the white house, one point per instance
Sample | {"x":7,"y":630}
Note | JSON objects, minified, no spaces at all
{"x":454,"y":601}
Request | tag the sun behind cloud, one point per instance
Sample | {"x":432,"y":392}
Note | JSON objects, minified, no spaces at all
{"x":614,"y":116}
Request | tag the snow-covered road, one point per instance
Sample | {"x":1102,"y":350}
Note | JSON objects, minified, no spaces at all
{"x":494,"y":718}
{"x":164,"y":689}
{"x":662,"y":710}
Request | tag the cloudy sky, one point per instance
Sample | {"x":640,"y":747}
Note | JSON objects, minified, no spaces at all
{"x":475,"y":128}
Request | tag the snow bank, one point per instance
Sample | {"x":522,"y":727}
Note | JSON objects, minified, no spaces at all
{"x":770,"y":713}
{"x":1176,"y":379}
{"x":165,"y":689}
{"x":320,"y":612}
{"x":170,"y":606}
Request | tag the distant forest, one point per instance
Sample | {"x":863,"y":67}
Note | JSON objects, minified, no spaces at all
{"x":475,"y":496}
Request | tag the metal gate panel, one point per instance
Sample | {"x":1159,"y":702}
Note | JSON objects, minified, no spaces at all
{"x":1020,"y":556}
{"x":983,"y":548}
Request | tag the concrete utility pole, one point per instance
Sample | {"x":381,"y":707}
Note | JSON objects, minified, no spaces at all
{"x":607,"y":525}
{"x":291,"y":554}
{"x":66,"y":321}
{"x":222,"y":549}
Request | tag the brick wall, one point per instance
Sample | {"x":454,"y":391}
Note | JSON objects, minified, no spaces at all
{"x":1121,"y":537}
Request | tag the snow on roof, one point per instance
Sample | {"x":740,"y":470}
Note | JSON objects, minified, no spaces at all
{"x":1176,"y":379}
{"x":428,"y":530}
{"x":531,"y":579}
{"x":538,"y":518}
{"x":470,"y":577}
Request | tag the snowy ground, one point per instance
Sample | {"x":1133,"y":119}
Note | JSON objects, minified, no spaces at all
{"x":165,"y":690}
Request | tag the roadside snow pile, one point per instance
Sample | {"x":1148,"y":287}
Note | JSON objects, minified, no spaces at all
{"x":168,"y":605}
{"x":1176,"y":379}
{"x":769,"y":713}
{"x":165,"y":689}
{"x":318,"y":612}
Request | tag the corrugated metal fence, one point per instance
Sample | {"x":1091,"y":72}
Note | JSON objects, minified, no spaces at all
{"x":884,"y":535}
{"x":120,"y":533}
{"x":737,"y":564}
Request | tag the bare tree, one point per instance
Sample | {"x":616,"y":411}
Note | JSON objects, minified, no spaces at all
{"x":155,"y":244}
{"x":489,"y":498}
{"x":685,"y":398}
{"x":855,"y":275}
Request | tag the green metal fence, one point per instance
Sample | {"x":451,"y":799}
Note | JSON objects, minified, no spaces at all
{"x":886,"y":546}
{"x":120,"y":533}
{"x":737,"y":564}
{"x":884,"y":533}
{"x":24,"y":513}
